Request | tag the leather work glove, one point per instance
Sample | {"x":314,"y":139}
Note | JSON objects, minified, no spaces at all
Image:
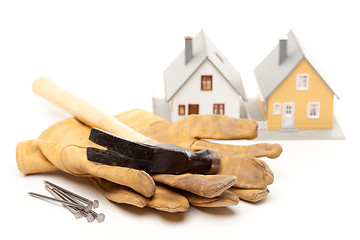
{"x":253,"y":175}
{"x":63,"y":146}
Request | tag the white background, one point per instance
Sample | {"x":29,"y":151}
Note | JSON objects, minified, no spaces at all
{"x":113,"y":54}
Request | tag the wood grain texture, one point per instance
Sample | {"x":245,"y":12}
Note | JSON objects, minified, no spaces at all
{"x":84,"y":111}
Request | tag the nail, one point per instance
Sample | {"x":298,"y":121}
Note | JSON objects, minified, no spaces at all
{"x":70,"y":199}
{"x":93,"y":204}
{"x":89,"y":217}
{"x":42,"y":197}
{"x":73,"y":210}
{"x":100,"y":217}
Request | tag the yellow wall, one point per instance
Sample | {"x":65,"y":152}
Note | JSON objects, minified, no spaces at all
{"x":318,"y":91}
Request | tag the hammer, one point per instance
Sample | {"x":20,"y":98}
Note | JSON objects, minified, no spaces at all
{"x":125,"y":146}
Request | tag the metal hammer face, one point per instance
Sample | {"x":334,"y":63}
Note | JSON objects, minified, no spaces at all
{"x":152,"y":157}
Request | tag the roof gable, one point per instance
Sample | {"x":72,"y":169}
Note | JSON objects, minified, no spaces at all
{"x":177,"y":73}
{"x":270,"y":74}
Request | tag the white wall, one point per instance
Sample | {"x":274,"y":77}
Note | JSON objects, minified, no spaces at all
{"x":222,"y":92}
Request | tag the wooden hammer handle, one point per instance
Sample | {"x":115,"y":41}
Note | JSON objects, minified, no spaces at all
{"x":84,"y":111}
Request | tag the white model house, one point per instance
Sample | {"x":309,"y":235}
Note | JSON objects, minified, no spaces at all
{"x":202,"y":81}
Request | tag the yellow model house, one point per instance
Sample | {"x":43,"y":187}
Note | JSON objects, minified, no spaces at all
{"x":293,"y":94}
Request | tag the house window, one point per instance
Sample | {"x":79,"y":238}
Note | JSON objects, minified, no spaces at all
{"x":193,"y":109}
{"x":277,"y":109}
{"x":302,"y":81}
{"x":219,"y":108}
{"x":181,"y":110}
{"x":313,"y":110}
{"x":206,"y":82}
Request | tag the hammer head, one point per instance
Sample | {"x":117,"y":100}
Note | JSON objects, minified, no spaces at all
{"x":152,"y":157}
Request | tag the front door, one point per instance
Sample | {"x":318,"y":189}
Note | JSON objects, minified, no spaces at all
{"x":193,"y":109}
{"x":288,"y":115}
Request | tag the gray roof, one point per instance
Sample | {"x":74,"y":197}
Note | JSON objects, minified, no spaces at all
{"x":177,"y":73}
{"x":269,"y":74}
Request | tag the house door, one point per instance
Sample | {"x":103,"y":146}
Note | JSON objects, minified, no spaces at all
{"x":193,"y":109}
{"x":288,"y":115}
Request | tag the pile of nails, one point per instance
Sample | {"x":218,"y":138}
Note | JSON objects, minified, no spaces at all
{"x":76,"y":204}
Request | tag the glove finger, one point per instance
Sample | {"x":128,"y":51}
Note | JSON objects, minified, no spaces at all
{"x":31,"y":160}
{"x":168,"y":200}
{"x":256,"y":150}
{"x":250,"y":195}
{"x":119,"y":194}
{"x":264,"y":150}
{"x":250,"y":172}
{"x":164,"y":199}
{"x":217,"y":127}
{"x":227,"y":198}
{"x":208,"y":186}
{"x":254,"y":173}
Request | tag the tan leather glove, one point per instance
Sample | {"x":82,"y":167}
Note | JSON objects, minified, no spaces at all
{"x":63,"y":146}
{"x":253,"y":175}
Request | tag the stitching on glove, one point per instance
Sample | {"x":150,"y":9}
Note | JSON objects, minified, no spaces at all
{"x":223,"y":188}
{"x":255,"y":162}
{"x":61,"y":162}
{"x":192,"y":143}
{"x":167,"y":209}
